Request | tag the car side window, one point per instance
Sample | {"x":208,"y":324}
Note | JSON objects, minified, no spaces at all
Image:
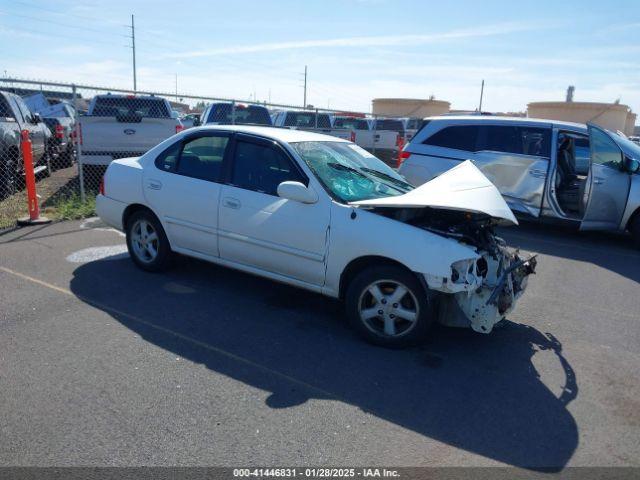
{"x":604,"y":150}
{"x":26,"y":113}
{"x":202,"y":158}
{"x":262,"y":168}
{"x":168,"y":160}
{"x":458,"y":137}
{"x":497,"y":138}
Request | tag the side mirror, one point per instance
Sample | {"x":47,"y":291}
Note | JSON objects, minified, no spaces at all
{"x":631,"y":165}
{"x":37,"y":118}
{"x":297,"y":191}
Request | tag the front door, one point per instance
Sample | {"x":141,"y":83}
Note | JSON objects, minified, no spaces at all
{"x":183,"y":189}
{"x":261,"y":230}
{"x":607,"y":184}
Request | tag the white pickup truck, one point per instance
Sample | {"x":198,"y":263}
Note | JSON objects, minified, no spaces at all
{"x":121,"y":126}
{"x":381,"y":141}
{"x":311,"y":121}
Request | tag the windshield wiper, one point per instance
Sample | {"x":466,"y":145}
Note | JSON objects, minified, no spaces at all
{"x":380,"y":174}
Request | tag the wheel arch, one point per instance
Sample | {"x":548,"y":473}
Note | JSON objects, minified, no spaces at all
{"x":359,"y":264}
{"x":133,"y":208}
{"x":632,"y":218}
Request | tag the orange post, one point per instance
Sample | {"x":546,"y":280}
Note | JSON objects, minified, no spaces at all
{"x":30,"y":181}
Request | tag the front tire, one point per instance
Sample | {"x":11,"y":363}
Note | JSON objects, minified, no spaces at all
{"x":389,"y":307}
{"x":147,"y":243}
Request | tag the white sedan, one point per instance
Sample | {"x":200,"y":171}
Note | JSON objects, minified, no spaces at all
{"x":322,"y":214}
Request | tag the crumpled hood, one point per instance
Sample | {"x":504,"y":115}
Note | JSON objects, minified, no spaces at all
{"x":463,"y":188}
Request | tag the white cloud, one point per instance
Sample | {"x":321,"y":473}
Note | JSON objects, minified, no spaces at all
{"x":372,"y":41}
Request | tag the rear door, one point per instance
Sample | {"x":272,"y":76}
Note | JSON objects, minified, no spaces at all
{"x":183,"y":189}
{"x":607,"y":183}
{"x":516,"y":160}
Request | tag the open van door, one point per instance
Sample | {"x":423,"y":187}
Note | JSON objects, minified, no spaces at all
{"x":607,"y":188}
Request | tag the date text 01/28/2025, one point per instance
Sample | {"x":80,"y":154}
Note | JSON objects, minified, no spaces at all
{"x":316,"y":472}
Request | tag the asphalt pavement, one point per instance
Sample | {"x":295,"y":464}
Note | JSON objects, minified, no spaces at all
{"x":103,"y":364}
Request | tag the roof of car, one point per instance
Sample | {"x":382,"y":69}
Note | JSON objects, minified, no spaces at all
{"x":499,"y":119}
{"x":282,"y":134}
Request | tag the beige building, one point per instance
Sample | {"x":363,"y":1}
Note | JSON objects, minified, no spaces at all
{"x":409,"y":107}
{"x":613,"y":116}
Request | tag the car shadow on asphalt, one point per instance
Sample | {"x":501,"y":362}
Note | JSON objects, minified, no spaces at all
{"x":480,"y":393}
{"x":614,"y":252}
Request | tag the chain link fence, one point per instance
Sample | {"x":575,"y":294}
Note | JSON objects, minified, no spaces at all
{"x":77,"y":130}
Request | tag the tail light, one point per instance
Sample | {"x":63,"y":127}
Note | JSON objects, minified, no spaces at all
{"x":59,"y":131}
{"x":402,"y":156}
{"x":353,"y":136}
{"x":101,"y":189}
{"x":179,"y":128}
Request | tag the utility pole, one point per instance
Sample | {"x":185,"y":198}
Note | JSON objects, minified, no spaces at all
{"x":481,"y":93}
{"x":176,"y":88}
{"x":133,"y":46}
{"x":304,"y":103}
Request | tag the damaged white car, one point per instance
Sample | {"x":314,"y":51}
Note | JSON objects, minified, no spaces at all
{"x":322,"y":214}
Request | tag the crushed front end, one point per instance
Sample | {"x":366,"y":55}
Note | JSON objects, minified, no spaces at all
{"x":480,"y":291}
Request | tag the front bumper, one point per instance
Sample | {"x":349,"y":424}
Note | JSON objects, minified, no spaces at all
{"x":490,"y":301}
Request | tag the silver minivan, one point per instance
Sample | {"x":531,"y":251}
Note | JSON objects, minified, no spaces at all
{"x":545,"y":169}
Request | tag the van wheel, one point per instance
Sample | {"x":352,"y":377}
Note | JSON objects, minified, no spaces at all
{"x":147,"y":243}
{"x":388,"y":306}
{"x":635,"y":230}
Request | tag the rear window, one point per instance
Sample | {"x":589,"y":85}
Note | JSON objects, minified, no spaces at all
{"x":307,"y":120}
{"x":5,"y":111}
{"x":245,"y":115}
{"x":351,"y":123}
{"x":130,"y":108}
{"x":393,"y":125}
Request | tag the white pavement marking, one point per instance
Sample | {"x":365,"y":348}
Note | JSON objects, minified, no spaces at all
{"x":90,"y":222}
{"x":110,"y":252}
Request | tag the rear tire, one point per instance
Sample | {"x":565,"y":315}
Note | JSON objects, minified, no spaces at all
{"x":147,"y":243}
{"x":8,"y":180}
{"x":389,"y":307}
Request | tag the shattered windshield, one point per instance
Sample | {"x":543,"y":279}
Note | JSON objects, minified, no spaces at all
{"x":350,"y":173}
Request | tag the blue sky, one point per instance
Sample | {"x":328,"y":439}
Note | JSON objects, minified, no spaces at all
{"x":355,"y":49}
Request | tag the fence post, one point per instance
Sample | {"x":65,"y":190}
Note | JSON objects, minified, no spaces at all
{"x":233,"y":112}
{"x":34,"y":217}
{"x":78,"y":140}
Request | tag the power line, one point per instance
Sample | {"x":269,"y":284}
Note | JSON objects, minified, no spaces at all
{"x":61,"y":24}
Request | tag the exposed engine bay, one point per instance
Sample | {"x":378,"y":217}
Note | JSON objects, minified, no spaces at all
{"x":483,"y":290}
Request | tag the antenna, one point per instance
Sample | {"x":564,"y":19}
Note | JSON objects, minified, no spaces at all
{"x":304,"y":102}
{"x":481,"y":94}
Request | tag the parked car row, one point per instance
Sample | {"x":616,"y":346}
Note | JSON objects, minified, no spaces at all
{"x":16,"y":116}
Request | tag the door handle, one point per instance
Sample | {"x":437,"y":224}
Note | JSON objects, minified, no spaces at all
{"x":231,"y":203}
{"x":154,"y":184}
{"x":538,"y":173}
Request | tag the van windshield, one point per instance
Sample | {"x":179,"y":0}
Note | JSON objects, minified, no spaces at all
{"x":350,"y":173}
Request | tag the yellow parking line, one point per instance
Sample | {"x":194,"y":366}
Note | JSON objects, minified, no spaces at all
{"x":168,"y":331}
